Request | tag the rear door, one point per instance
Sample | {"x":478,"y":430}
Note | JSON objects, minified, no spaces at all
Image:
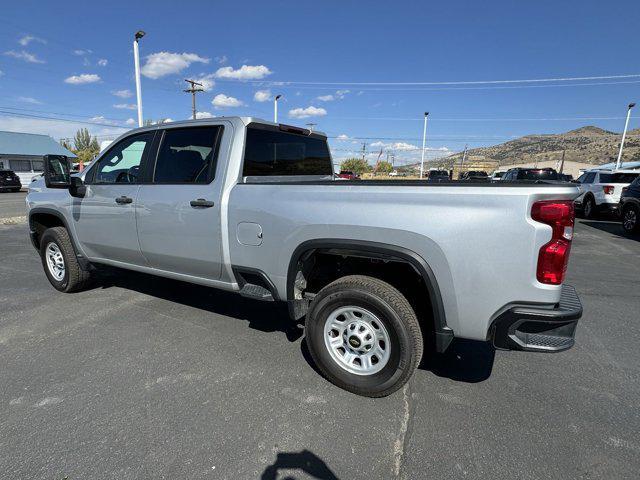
{"x":179,"y":216}
{"x":104,"y":219}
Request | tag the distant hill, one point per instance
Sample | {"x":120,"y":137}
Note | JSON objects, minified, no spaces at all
{"x":586,"y":144}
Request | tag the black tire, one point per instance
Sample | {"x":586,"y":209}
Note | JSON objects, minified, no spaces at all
{"x":398,"y":319}
{"x":75,"y":278}
{"x":588,"y":207}
{"x":631,"y":219}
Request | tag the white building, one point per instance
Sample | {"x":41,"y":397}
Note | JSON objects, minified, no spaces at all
{"x":23,"y":152}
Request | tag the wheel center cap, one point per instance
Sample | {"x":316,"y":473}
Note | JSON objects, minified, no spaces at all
{"x":354,"y":341}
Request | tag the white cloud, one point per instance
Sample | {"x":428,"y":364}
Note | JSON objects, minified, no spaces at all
{"x":339,"y":95}
{"x":125,"y":106}
{"x":30,"y":100}
{"x":245,"y":72}
{"x":130,"y":121}
{"x":24,"y":55}
{"x":103,"y":62}
{"x":167,"y":120}
{"x":126,"y":93}
{"x":79,"y":52}
{"x":204,"y":115}
{"x":223,"y":101}
{"x":82,"y":79}
{"x":342,"y":137}
{"x":207,"y":81}
{"x":167,"y":63}
{"x":27,"y":39}
{"x":401,"y":146}
{"x":307,"y":112}
{"x":221,"y":60}
{"x":262,"y":96}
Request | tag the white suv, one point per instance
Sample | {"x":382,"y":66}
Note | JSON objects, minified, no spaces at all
{"x":600,"y":190}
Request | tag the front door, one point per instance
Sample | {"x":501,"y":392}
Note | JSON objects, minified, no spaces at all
{"x":178,"y":212}
{"x":104,"y":219}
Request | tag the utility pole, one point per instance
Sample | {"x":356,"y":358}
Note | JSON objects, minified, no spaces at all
{"x":275,"y":108}
{"x":424,"y":144}
{"x":562,"y":161}
{"x":624,"y":134}
{"x":136,"y":60}
{"x":193,"y":90}
{"x":364,"y":150}
{"x":464,"y":155}
{"x":311,"y":125}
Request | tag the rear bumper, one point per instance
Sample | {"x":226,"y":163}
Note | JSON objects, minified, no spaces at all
{"x":537,"y":329}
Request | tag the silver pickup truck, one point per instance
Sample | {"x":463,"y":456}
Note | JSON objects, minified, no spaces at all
{"x":380,"y":271}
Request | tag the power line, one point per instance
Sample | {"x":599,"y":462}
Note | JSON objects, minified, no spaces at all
{"x":464,"y":82}
{"x":9,"y":114}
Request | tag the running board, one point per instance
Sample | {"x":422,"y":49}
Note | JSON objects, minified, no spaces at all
{"x":250,"y":290}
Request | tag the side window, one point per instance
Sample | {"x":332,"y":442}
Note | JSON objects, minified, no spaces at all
{"x":589,"y":177}
{"x":188,"y":155}
{"x":121,"y":163}
{"x":270,"y":152}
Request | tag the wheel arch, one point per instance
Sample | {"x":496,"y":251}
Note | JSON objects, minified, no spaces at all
{"x":41,"y":218}
{"x":374,"y":250}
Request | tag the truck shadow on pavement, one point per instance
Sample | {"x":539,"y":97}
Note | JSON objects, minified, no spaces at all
{"x":304,"y":461}
{"x":464,"y":361}
{"x":261,"y":316}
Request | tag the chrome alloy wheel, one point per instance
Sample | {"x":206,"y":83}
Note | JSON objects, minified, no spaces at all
{"x":630,"y":219}
{"x":357,"y":340}
{"x":55,"y":261}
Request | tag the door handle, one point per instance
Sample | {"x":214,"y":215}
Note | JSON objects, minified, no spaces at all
{"x":123,"y":199}
{"x":201,"y":202}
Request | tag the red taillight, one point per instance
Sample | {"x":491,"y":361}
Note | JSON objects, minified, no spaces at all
{"x":608,"y":189}
{"x":554,"y":256}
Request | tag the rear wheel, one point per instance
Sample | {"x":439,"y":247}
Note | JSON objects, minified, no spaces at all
{"x":59,"y":261}
{"x":630,"y":219}
{"x":364,"y":336}
{"x":588,"y":207}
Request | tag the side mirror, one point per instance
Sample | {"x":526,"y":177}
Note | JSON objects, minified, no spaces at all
{"x":77,"y":188}
{"x":57,"y":171}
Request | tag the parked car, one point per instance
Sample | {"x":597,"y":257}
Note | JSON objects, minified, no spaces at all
{"x":496,"y":176}
{"x":519,"y":174}
{"x":438,"y":176}
{"x":474,"y":176}
{"x":348,"y":175}
{"x":600,"y":190}
{"x":630,"y":207}
{"x":9,"y":181}
{"x":379,"y":270}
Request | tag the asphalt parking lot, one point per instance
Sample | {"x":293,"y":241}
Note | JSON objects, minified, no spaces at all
{"x":149,"y":378}
{"x":12,"y":204}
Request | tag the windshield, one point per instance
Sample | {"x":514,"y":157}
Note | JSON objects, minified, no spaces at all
{"x":537,"y":175}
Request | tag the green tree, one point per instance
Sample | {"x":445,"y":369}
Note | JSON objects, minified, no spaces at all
{"x":384,"y":167}
{"x":85,"y":147}
{"x":355,"y":165}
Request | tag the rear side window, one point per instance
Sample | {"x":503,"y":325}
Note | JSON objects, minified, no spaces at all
{"x":618,"y":177}
{"x":589,"y":177}
{"x":273,"y":152}
{"x":188,"y":155}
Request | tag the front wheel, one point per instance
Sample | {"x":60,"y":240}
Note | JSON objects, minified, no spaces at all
{"x":59,"y":261}
{"x":364,"y":336}
{"x":630,"y":219}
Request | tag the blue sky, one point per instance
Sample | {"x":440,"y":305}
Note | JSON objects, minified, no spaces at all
{"x":73,"y":60}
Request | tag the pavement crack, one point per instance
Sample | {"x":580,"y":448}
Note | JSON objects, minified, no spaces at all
{"x":402,"y":438}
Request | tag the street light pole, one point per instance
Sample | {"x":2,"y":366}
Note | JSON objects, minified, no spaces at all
{"x":136,"y":58}
{"x":424,"y":143}
{"x":275,"y":108}
{"x":624,"y":134}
